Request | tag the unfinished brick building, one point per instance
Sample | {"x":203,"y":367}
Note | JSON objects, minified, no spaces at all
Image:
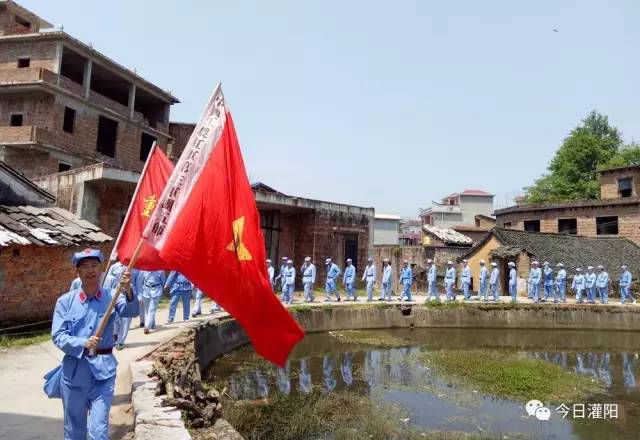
{"x":616,"y":213}
{"x":296,"y":227}
{"x":74,"y":121}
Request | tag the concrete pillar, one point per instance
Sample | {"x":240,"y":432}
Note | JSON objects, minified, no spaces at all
{"x":88,"y":209}
{"x":57,"y":62}
{"x":132,"y":100}
{"x":86,"y":80}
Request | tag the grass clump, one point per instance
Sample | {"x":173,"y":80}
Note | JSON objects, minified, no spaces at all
{"x":339,"y":416}
{"x":335,"y":416}
{"x":371,"y":337}
{"x":23,"y":341}
{"x":511,"y":376}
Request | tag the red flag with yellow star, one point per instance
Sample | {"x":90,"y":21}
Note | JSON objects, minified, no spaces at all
{"x":207,"y":227}
{"x":152,"y":181}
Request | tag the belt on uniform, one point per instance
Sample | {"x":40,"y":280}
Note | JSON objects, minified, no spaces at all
{"x":102,"y":351}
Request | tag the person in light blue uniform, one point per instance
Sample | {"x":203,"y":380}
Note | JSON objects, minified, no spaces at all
{"x":482,"y":279}
{"x":148,"y":285}
{"x":387,"y":272}
{"x":465,"y":280}
{"x":406,"y":279}
{"x":432,"y":279}
{"x":121,"y":324}
{"x":369,"y":277}
{"x":308,"y":271}
{"x":513,"y":282}
{"x":333,"y":271}
{"x":494,"y":280}
{"x":578,"y":285}
{"x":625,"y":285}
{"x":602,"y":284}
{"x":348,"y":278}
{"x":561,"y":284}
{"x":547,"y":280}
{"x":288,"y":282}
{"x":271,"y":272}
{"x":590,"y":285}
{"x":180,"y":289}
{"x":88,"y":370}
{"x":450,"y":281}
{"x":536,"y":281}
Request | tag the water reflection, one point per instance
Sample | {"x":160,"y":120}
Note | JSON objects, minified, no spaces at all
{"x":399,"y":367}
{"x":397,"y":375}
{"x":608,"y":368}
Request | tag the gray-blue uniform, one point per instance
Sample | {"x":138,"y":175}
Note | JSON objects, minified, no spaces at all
{"x":180,"y":288}
{"x":369,"y":276}
{"x":602,"y":284}
{"x":148,"y":285}
{"x":111,"y":280}
{"x":513,"y":282}
{"x":87,"y":382}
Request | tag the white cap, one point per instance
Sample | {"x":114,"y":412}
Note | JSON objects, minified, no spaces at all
{"x":578,"y":269}
{"x":546,"y":263}
{"x":589,"y":267}
{"x":289,"y":261}
{"x":511,"y":263}
{"x":534,"y":262}
{"x":429,"y":261}
{"x":405,"y":262}
{"x":307,"y":258}
{"x":369,"y":259}
{"x":285,"y":258}
{"x":494,"y":263}
{"x":386,"y":260}
{"x":559,"y":265}
{"x":465,"y":261}
{"x":328,"y":260}
{"x":268,"y":261}
{"x":624,"y":266}
{"x":600,"y":266}
{"x":481,"y":261}
{"x":349,"y":260}
{"x":449,"y":262}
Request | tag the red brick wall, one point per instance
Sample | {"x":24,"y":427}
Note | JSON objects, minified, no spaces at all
{"x":628,"y":219}
{"x":180,"y":133}
{"x":319,"y":234}
{"x":114,"y":202}
{"x":32,"y":280}
{"x":609,"y":182}
{"x":42,"y":54}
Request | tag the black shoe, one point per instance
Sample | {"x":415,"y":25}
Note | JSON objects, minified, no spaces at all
{"x":141,"y":324}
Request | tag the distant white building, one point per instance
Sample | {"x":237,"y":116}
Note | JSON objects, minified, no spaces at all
{"x":458,"y":209}
{"x":386,"y":229}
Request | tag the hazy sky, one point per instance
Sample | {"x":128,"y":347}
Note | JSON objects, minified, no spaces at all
{"x":383,"y":104}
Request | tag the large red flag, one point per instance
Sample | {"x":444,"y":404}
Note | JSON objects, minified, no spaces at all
{"x":207,"y":227}
{"x":152,"y":181}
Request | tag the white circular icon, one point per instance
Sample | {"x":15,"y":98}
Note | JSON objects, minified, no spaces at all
{"x":543,"y":413}
{"x":532,"y":406}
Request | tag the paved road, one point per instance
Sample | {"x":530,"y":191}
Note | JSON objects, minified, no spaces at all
{"x":26,"y":413}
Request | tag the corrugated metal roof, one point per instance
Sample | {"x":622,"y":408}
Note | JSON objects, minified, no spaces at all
{"x":24,"y":225}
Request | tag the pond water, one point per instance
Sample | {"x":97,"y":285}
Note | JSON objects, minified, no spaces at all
{"x":395,"y":373}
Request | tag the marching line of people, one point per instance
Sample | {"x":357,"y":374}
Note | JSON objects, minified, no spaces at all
{"x":543,"y":284}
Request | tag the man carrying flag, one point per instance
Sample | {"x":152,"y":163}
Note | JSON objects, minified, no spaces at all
{"x":207,"y":220}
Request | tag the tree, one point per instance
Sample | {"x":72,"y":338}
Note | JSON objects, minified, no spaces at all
{"x":572,"y":171}
{"x":628,"y":155}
